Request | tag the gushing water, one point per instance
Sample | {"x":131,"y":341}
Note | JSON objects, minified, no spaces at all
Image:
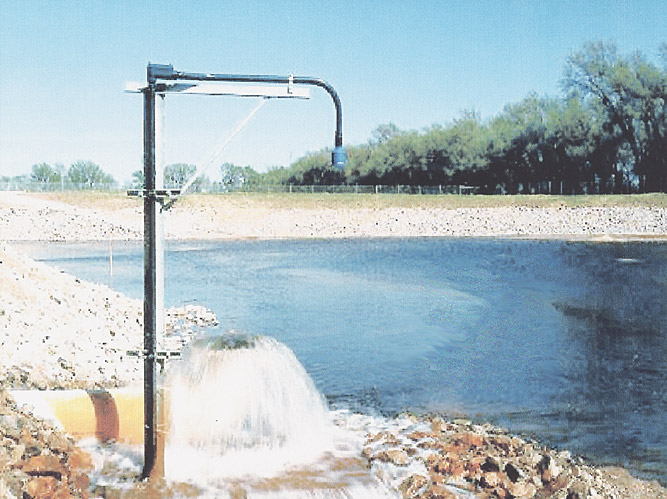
{"x":243,"y":408}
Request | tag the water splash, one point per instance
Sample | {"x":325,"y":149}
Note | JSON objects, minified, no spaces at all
{"x":242,"y":407}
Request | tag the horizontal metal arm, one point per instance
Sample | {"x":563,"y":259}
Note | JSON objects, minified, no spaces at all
{"x":167,"y":72}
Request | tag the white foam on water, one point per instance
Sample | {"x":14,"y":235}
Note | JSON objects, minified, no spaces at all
{"x":243,"y":411}
{"x":37,"y":403}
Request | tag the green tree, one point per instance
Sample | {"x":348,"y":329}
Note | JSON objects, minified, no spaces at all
{"x":137,"y":181}
{"x":356,"y":170}
{"x":515,"y":148}
{"x":88,"y":174}
{"x":463,"y":149}
{"x":384,"y":132}
{"x":43,"y":173}
{"x":235,"y":177}
{"x":276,"y":175}
{"x":632,"y":92}
{"x":177,"y":174}
{"x":315,"y":169}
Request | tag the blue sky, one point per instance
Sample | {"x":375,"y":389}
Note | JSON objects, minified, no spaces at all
{"x":63,"y":66}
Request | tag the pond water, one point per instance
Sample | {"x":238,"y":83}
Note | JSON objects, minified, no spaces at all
{"x":562,"y":341}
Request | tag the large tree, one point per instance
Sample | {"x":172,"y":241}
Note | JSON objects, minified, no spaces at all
{"x":384,"y":132}
{"x":632,"y":91}
{"x":137,"y":181}
{"x":234,"y":176}
{"x":314,"y":169}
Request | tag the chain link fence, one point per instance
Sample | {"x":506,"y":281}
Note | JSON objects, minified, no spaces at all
{"x":545,"y":187}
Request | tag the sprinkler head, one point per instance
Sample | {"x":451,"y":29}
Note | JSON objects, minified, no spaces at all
{"x":339,"y":157}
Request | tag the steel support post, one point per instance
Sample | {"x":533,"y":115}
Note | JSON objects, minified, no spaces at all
{"x":153,"y":280}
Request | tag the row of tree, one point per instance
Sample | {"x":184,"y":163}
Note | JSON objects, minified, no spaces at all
{"x":81,"y":174}
{"x":607,"y":133}
{"x":176,"y":175}
{"x":89,"y":175}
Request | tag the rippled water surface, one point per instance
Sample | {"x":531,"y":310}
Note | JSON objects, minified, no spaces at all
{"x":565,"y":341}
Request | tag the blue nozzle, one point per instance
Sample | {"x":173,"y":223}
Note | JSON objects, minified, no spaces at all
{"x":339,"y":157}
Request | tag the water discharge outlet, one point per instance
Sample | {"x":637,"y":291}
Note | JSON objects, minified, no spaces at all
{"x":160,"y":79}
{"x":237,"y":405}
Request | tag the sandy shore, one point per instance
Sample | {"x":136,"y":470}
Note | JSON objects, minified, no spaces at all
{"x":25,"y":217}
{"x":57,"y":331}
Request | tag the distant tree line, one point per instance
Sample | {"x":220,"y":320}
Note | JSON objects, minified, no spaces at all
{"x":608,"y":133}
{"x":176,"y":175}
{"x":80,"y":175}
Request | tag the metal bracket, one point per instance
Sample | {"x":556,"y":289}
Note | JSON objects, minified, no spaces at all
{"x":154,"y":193}
{"x":161,"y":356}
{"x":160,"y":195}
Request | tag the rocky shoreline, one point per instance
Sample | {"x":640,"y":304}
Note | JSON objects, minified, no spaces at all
{"x":80,"y":333}
{"x":36,"y":459}
{"x":429,"y":458}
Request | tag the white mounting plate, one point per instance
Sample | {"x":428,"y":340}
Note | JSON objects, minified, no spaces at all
{"x":242,"y":90}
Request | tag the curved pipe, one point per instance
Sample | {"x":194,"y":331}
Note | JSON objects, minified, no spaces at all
{"x":167,"y":72}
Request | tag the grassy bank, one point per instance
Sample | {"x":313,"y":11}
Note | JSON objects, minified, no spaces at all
{"x":117,"y":200}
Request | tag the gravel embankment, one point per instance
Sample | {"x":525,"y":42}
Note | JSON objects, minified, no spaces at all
{"x":25,"y":217}
{"x":59,"y":332}
{"x":603,"y":223}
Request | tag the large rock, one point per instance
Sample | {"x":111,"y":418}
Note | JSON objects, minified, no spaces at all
{"x":413,"y":486}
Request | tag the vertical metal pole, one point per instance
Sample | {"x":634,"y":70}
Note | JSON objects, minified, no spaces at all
{"x":150,"y":296}
{"x":159,"y":221}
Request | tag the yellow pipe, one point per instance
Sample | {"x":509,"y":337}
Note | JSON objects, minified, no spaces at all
{"x":108,"y":415}
{"x":113,"y":415}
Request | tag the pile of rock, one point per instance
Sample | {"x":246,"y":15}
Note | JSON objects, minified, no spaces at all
{"x":38,"y":461}
{"x":459,"y":459}
{"x":57,"y":331}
